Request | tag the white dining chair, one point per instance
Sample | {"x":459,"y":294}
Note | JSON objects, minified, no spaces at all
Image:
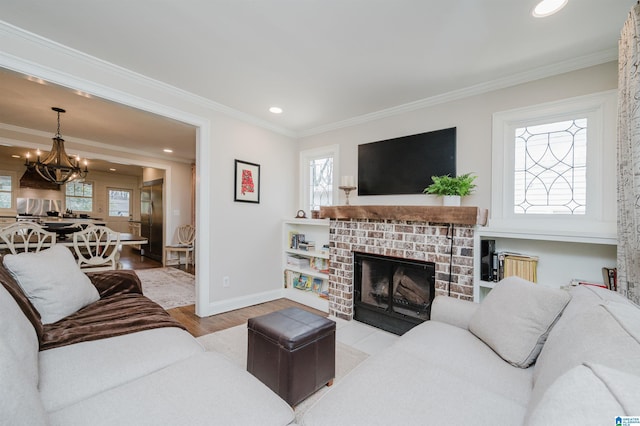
{"x":186,"y":236}
{"x":25,"y":236}
{"x":97,"y":248}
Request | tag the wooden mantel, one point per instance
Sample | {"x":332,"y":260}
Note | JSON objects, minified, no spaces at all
{"x":434,"y":214}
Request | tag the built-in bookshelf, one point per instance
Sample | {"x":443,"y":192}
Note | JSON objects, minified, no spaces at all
{"x":560,"y":258}
{"x":305,"y":261}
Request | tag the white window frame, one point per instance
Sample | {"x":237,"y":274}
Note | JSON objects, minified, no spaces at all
{"x":305,"y":157}
{"x":113,"y":188}
{"x":600,"y":216}
{"x":93,"y":196}
{"x":14,"y":187}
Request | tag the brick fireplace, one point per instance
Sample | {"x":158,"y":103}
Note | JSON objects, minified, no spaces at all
{"x":422,"y":233}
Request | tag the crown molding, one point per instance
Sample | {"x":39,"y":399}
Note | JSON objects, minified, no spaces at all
{"x":478,"y":89}
{"x":70,"y":81}
{"x":79,"y":142}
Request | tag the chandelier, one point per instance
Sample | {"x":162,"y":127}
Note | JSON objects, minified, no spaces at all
{"x":58,"y":167}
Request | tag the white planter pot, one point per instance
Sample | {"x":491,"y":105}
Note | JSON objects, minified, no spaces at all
{"x":451,"y":200}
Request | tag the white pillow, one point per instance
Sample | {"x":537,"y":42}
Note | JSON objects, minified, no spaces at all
{"x":516,"y":317}
{"x":53,"y":282}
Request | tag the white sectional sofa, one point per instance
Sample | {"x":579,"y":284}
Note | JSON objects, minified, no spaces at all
{"x":154,"y":376}
{"x":458,"y":368}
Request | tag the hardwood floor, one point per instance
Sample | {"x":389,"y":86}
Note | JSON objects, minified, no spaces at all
{"x":131,"y":259}
{"x":200,"y":326}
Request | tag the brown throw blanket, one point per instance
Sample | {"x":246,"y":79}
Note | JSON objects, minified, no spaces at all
{"x":122,"y":309}
{"x":108,"y":317}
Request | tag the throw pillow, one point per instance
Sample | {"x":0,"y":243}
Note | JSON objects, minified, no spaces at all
{"x":53,"y":282}
{"x":516,"y":317}
{"x":589,"y":394}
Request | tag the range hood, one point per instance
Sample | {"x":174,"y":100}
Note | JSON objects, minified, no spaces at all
{"x":31,"y":179}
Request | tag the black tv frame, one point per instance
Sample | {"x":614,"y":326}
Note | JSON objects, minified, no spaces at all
{"x":404,"y":165}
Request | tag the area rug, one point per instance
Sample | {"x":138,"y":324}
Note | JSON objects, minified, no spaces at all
{"x":232,"y":343}
{"x":168,"y":287}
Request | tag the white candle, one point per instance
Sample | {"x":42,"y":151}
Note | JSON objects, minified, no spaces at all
{"x":348,"y":181}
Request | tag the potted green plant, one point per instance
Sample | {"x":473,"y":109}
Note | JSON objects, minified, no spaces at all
{"x":451,"y":188}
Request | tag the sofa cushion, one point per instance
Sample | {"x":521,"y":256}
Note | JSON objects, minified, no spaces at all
{"x":205,"y":389}
{"x":72,"y":373}
{"x":52,"y":281}
{"x":460,"y":353}
{"x":606,"y":334}
{"x":516,"y":317}
{"x":435,"y":374}
{"x":589,"y":394}
{"x":18,"y":336}
{"x":398,"y":386}
{"x":20,"y":402}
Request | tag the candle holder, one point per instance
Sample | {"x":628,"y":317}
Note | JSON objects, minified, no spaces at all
{"x":347,"y":190}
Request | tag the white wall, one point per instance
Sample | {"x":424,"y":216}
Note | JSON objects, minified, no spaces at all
{"x":473,"y":118}
{"x":239,"y":240}
{"x":247,"y":236}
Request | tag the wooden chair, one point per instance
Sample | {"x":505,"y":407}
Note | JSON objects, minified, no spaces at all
{"x":97,"y":248}
{"x":26,"y":237}
{"x":186,"y":236}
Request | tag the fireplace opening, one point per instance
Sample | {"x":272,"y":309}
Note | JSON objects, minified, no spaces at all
{"x":391,"y":293}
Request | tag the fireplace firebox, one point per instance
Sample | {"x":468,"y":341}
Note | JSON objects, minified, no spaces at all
{"x":391,"y":293}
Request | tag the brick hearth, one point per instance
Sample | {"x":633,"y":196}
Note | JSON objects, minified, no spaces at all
{"x":408,"y":240}
{"x":407,"y":232}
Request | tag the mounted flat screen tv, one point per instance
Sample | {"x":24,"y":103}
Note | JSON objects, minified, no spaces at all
{"x":405,"y":165}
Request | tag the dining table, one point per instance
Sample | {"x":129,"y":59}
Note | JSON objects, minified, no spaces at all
{"x":125,"y":239}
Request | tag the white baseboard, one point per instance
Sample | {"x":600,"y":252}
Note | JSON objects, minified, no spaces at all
{"x":240,"y":302}
{"x":305,"y":298}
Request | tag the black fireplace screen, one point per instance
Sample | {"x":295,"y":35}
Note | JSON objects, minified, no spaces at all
{"x":391,"y":291}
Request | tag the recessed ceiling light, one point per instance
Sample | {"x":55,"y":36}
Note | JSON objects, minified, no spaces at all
{"x":275,"y":110}
{"x":168,"y":151}
{"x":15,"y":156}
{"x":548,"y":7}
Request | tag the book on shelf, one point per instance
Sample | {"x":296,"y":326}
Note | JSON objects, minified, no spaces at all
{"x":610,"y":278}
{"x":516,"y":264}
{"x":307,"y":245}
{"x":324,"y":290}
{"x":298,"y":261}
{"x":290,"y":278}
{"x":320,"y":264}
{"x":316,"y":285}
{"x":295,"y":239}
{"x":303,"y":283}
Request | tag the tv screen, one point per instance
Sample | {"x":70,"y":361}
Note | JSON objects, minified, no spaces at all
{"x":405,"y":165}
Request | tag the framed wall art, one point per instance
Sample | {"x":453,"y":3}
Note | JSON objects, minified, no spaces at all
{"x":247,"y":182}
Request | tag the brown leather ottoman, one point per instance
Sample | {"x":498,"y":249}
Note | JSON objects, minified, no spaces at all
{"x":292,"y":351}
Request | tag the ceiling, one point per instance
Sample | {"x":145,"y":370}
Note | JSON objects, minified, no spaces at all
{"x":322,"y":61}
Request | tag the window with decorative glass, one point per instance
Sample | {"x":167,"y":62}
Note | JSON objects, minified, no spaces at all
{"x":79,"y":196}
{"x":553,"y":166}
{"x":6,"y":191}
{"x":119,"y":202}
{"x":321,"y":182}
{"x":318,"y":171}
{"x":550,"y":168}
